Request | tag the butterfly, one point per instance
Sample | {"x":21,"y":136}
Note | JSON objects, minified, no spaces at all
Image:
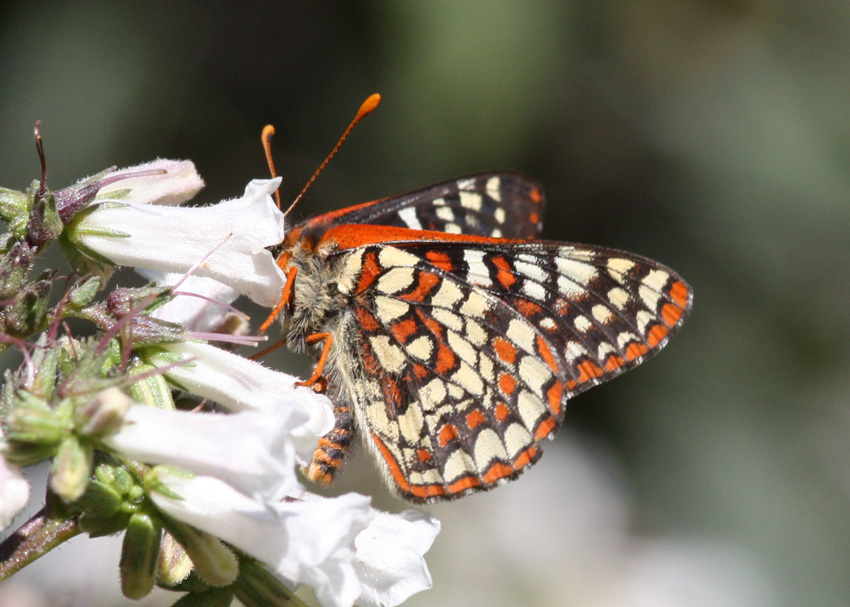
{"x":452,"y":338}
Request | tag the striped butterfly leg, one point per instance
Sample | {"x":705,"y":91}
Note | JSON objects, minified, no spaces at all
{"x":332,"y":448}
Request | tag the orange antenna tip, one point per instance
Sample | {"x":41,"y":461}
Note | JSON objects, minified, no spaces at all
{"x":368,"y":106}
{"x":266,"y":139}
{"x":365,"y":109}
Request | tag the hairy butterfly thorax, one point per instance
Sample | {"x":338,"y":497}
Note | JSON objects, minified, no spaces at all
{"x":452,"y":339}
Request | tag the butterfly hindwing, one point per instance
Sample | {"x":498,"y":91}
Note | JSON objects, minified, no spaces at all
{"x":473,"y":351}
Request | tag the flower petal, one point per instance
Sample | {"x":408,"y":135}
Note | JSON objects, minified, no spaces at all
{"x":252,"y":451}
{"x":389,"y":559}
{"x":173,"y":239}
{"x":14,"y":490}
{"x":179,"y":183}
{"x":240,"y":383}
{"x":304,"y":542}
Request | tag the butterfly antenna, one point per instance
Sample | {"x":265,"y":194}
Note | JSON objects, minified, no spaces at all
{"x":365,"y":109}
{"x":266,"y":138}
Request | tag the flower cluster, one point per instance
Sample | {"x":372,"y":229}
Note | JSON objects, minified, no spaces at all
{"x":208,"y":500}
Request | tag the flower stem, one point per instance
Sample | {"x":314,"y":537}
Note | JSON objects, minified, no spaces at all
{"x":38,"y":536}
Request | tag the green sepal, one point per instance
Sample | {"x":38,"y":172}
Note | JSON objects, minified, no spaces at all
{"x":101,"y":526}
{"x":139,"y":554}
{"x":153,"y":390}
{"x":215,"y":597}
{"x":32,"y":422}
{"x":258,"y":587}
{"x":15,"y":211}
{"x":99,"y":500}
{"x":83,"y":294}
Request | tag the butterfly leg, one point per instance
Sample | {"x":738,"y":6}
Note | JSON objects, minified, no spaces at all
{"x":332,"y":448}
{"x":285,"y":297}
{"x":323,"y":357}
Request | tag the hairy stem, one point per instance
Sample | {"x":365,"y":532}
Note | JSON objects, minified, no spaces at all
{"x":35,"y":538}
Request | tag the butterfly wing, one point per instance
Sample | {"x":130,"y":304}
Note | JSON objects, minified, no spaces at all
{"x":469,"y":353}
{"x":498,"y":205}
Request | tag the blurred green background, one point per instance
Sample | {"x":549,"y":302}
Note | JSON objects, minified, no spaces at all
{"x":711,"y":135}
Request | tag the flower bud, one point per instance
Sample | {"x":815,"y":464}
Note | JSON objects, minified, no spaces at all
{"x":14,"y":210}
{"x":213,"y":561}
{"x":139,"y":554}
{"x":104,"y":413}
{"x":71,"y":469}
{"x":173,"y":565}
{"x":258,"y":587}
{"x":44,"y":224}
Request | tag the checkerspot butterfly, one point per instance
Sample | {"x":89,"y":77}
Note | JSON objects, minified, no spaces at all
{"x":452,"y":338}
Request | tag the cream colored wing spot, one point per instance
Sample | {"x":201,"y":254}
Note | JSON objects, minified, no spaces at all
{"x":488,"y":446}
{"x":396,"y":280}
{"x":391,"y":357}
{"x":389,"y":309}
{"x":494,"y":191}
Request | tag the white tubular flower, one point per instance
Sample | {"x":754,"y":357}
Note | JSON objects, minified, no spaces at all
{"x":173,"y":239}
{"x":390,"y":557}
{"x":176,"y":183}
{"x":303,"y":542}
{"x":240,"y":384}
{"x":203,"y":310}
{"x":14,"y":489}
{"x":251,"y":451}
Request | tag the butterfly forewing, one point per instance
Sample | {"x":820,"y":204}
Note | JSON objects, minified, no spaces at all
{"x":499,"y":205}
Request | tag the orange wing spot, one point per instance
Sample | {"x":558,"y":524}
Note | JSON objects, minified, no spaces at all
{"x":671,"y":314}
{"x":507,"y":383}
{"x":502,"y":412}
{"x":392,"y":464}
{"x":426,"y":491}
{"x":404,"y":329}
{"x":462,"y":485}
{"x":505,"y":350}
{"x":571,"y":384}
{"x":503,"y":273}
{"x":554,"y":395}
{"x":446,"y":360}
{"x":441,"y":260}
{"x":635,"y":350}
{"x":546,"y":427}
{"x":528,"y":308}
{"x":367,"y":321}
{"x":447,"y":434}
{"x":614,"y":362}
{"x":546,"y":353}
{"x":679,"y":293}
{"x":589,"y":370}
{"x":475,"y":418}
{"x":656,"y":334}
{"x":536,"y":195}
{"x":427,"y":282}
{"x":392,"y":395}
{"x":423,"y":454}
{"x":497,"y":470}
{"x":420,"y":371}
{"x":534,"y":217}
{"x":369,"y":273}
{"x":526,"y":457}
